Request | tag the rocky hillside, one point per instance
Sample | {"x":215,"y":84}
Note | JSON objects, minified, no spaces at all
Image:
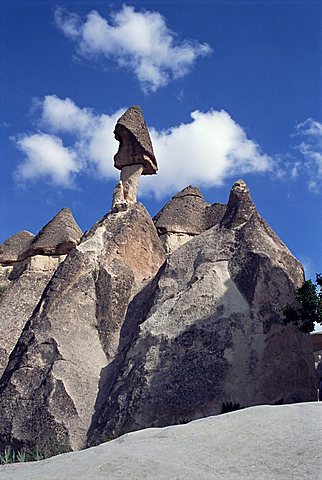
{"x":131,"y":327}
{"x":145,"y":322}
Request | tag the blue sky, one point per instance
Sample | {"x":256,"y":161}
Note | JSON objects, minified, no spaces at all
{"x":229,"y":89}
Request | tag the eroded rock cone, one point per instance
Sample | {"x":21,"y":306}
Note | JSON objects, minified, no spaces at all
{"x":240,"y":206}
{"x":15,"y":247}
{"x":28,"y":262}
{"x":57,"y":237}
{"x":209,"y":330}
{"x":49,"y":390}
{"x":185,"y":216}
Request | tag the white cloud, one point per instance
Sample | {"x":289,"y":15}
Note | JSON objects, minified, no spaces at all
{"x":206,"y":151}
{"x":310,"y":131}
{"x":63,"y":115}
{"x":90,"y":136}
{"x":139,"y":41}
{"x":46,"y":157}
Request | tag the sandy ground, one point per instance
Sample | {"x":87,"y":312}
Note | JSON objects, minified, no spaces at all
{"x":262,"y":443}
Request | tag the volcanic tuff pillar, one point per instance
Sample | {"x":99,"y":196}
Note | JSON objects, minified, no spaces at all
{"x":135,"y":156}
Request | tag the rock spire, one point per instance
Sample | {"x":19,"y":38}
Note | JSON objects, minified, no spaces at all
{"x":135,"y":156}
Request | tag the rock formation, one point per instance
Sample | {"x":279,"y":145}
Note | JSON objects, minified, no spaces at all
{"x":209,"y":330}
{"x":58,"y":237}
{"x":134,"y":158}
{"x":61,"y":358}
{"x":28,"y":262}
{"x":13,"y":248}
{"x":140,"y":324}
{"x":185,"y":216}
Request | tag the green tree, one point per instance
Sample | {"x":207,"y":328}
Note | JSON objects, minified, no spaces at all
{"x":307,"y":308}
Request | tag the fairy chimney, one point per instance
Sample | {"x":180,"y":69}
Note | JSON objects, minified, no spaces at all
{"x":135,"y":156}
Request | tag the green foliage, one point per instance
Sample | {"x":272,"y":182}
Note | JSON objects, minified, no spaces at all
{"x":308,"y":307}
{"x":9,"y":455}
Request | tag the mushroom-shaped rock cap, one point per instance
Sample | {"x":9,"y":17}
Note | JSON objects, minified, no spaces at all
{"x":135,"y":142}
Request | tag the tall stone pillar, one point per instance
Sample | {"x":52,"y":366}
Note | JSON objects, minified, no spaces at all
{"x":135,"y":156}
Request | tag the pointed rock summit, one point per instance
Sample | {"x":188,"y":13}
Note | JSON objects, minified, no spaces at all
{"x":240,"y":206}
{"x":59,"y":367}
{"x":209,"y":329}
{"x":30,"y":261}
{"x":58,"y":237}
{"x":106,"y":334}
{"x":185,"y":216}
{"x":15,"y":247}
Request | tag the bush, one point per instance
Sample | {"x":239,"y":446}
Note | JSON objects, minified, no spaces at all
{"x":307,"y":308}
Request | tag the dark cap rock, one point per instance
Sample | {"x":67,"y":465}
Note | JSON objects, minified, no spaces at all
{"x":183,"y":214}
{"x":15,"y":246}
{"x":187,"y":212}
{"x":135,"y":142}
{"x":57,"y":237}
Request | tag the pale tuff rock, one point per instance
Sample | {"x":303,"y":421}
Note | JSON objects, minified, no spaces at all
{"x":130,"y":176}
{"x":171,"y":241}
{"x":253,"y":444}
{"x":117,"y":337}
{"x":209,"y":330}
{"x":59,"y":367}
{"x":185,"y":216}
{"x":135,"y":156}
{"x":27,"y":282}
{"x":13,"y":248}
{"x":33,"y":261}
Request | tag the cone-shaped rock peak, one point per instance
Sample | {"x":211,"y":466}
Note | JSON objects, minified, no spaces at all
{"x":189,"y":190}
{"x":58,"y":236}
{"x":185,"y":216}
{"x":15,"y":246}
{"x":240,"y":205}
{"x":183,"y":213}
{"x":135,"y":142}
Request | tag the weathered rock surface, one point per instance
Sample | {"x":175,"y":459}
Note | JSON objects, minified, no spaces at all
{"x":15,"y":247}
{"x":27,"y":264}
{"x":112,"y":343}
{"x":135,"y":142}
{"x":20,"y":297}
{"x":50,"y":386}
{"x":209,"y":330}
{"x":58,"y":237}
{"x":185,"y":216}
{"x":253,"y":444}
